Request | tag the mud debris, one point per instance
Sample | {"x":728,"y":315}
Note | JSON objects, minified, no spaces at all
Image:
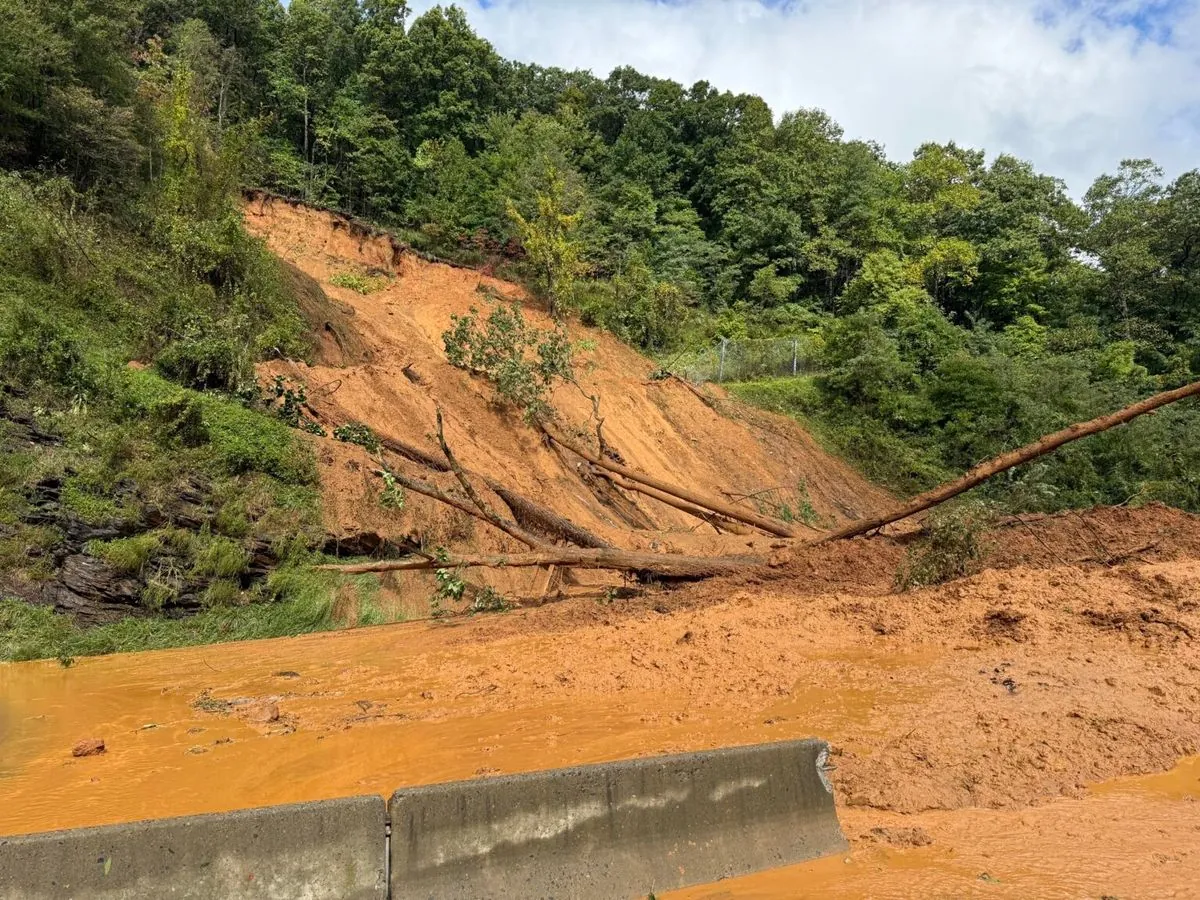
{"x":88,"y":747}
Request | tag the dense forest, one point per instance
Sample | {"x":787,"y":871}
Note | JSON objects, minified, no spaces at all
{"x":953,"y":306}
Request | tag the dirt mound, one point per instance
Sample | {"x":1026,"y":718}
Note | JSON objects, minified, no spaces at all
{"x":1097,"y":538}
{"x":335,"y":339}
{"x":383,"y":364}
{"x":1103,"y":536}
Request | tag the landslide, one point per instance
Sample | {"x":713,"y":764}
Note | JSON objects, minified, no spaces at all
{"x":380,"y":361}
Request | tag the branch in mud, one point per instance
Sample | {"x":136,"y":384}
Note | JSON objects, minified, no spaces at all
{"x":664,"y":565}
{"x":720,"y":523}
{"x":639,"y":481}
{"x":529,"y":515}
{"x":1013,"y":458}
{"x":463,"y":505}
{"x":485,"y":511}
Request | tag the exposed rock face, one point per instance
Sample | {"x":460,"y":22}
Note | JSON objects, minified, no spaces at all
{"x":96,"y":592}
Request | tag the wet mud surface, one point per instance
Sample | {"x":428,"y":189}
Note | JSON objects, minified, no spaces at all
{"x":1003,"y":735}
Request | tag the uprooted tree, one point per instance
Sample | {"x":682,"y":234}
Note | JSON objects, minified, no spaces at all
{"x":680,"y":567}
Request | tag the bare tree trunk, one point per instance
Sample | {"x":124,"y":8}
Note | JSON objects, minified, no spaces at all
{"x":738,"y":514}
{"x":1003,"y":463}
{"x":535,"y":517}
{"x":429,"y":490}
{"x":488,"y":514}
{"x":666,"y":565}
{"x":714,"y":519}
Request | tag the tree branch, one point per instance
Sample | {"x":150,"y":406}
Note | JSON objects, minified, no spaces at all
{"x":665,"y":565}
{"x":1006,"y":461}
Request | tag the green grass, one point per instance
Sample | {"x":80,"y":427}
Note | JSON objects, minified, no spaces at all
{"x":360,"y":282}
{"x":294,"y":600}
{"x":218,"y":557}
{"x":127,"y":555}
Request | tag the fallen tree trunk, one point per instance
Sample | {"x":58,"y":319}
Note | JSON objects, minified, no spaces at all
{"x":1003,"y":463}
{"x":711,"y":518}
{"x":665,"y":565}
{"x":512,"y":529}
{"x":489,"y":515}
{"x":535,"y":517}
{"x":764,"y":523}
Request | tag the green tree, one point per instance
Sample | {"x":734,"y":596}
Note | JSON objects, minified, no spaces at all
{"x":550,"y":244}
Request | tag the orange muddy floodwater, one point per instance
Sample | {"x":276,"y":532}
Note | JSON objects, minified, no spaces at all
{"x":367,"y":711}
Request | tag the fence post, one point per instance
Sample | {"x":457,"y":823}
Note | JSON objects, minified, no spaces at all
{"x":795,"y":347}
{"x":721,"y":365}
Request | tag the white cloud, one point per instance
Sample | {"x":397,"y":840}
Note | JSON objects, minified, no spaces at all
{"x":1074,"y":92}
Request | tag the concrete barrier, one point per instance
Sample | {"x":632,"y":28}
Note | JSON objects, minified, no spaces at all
{"x":331,"y":850}
{"x":617,"y":829}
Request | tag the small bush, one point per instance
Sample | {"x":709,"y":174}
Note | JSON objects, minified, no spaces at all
{"x":357,"y":433}
{"x":521,"y":361}
{"x":208,"y":362}
{"x":360,"y":282}
{"x":952,"y":542}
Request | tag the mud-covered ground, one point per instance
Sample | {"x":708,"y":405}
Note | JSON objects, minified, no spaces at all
{"x":971,"y":722}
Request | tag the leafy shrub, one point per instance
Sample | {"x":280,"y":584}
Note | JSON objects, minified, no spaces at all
{"x":952,"y":542}
{"x":209,"y":362}
{"x":357,"y":433}
{"x":521,"y":361}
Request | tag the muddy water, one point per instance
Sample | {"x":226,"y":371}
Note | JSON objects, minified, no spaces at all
{"x":1134,"y":837}
{"x":217,"y":728}
{"x":195,"y":730}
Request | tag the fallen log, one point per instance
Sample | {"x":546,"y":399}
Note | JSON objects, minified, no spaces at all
{"x":716,"y":520}
{"x":738,"y":514}
{"x":1013,"y":458}
{"x":512,"y":529}
{"x":488,"y":514}
{"x":665,"y":565}
{"x":535,"y":517}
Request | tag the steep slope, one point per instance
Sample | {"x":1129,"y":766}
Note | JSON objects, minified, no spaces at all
{"x":384,"y":365}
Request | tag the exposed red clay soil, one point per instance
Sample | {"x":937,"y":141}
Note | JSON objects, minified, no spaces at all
{"x":381,"y":361}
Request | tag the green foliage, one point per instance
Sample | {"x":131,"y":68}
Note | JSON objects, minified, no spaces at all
{"x":219,"y":557}
{"x":37,"y":632}
{"x":548,"y":238}
{"x":393,"y":496}
{"x":359,"y":282}
{"x":951,"y":543}
{"x":128,"y":555}
{"x":521,"y":361}
{"x":488,"y":599}
{"x":357,"y":433}
{"x":449,"y":585}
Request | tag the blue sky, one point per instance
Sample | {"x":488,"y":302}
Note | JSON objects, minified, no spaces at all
{"x":1073,"y":85}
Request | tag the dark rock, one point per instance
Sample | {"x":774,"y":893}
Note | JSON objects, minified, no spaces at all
{"x":367,"y":543}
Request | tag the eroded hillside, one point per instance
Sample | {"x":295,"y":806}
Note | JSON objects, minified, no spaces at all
{"x":382,"y":362}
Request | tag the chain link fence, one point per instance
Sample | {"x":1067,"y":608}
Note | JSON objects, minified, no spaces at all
{"x":742,"y":360}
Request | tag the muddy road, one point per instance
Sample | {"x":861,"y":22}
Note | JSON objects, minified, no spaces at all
{"x":1029,"y":730}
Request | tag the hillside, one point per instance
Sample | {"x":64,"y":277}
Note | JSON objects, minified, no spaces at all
{"x":382,"y":363}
